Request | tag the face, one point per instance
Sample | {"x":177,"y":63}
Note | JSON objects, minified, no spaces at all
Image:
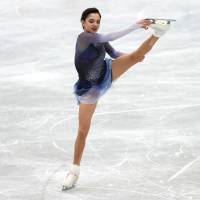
{"x":91,"y":23}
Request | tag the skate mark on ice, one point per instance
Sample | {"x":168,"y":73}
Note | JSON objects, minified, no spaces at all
{"x":126,"y":191}
{"x":49,"y":179}
{"x":183,"y":169}
{"x":57,"y":147}
{"x":153,"y":108}
{"x":61,"y":121}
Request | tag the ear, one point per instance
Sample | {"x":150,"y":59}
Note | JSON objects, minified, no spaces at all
{"x":82,"y":22}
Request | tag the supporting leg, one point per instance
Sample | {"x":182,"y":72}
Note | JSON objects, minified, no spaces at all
{"x":86,"y":112}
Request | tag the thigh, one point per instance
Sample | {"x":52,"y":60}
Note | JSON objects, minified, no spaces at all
{"x":121,"y":64}
{"x":86,"y":112}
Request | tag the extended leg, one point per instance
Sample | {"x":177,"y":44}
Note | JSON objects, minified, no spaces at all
{"x":123,"y":63}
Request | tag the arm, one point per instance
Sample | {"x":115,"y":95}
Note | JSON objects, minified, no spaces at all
{"x":112,"y":52}
{"x":102,"y":38}
{"x":89,"y":38}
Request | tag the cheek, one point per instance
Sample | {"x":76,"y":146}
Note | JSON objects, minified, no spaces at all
{"x":87,"y":24}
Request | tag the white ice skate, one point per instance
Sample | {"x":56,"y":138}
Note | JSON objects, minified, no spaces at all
{"x":160,"y":26}
{"x":71,"y":178}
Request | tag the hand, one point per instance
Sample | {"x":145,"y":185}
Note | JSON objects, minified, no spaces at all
{"x":144,"y":23}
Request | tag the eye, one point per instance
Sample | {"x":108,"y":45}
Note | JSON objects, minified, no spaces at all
{"x":91,"y":21}
{"x":98,"y":22}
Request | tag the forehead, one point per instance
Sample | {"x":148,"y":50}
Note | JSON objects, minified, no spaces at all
{"x":94,"y":16}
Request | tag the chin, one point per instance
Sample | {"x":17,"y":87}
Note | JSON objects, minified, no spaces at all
{"x":91,"y":31}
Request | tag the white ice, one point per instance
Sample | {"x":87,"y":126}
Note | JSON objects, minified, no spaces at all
{"x":144,"y":143}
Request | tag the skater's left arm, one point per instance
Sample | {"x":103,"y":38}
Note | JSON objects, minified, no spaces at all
{"x":112,"y":52}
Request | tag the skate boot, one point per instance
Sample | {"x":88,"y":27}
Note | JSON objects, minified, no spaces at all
{"x":160,"y":26}
{"x":71,"y":178}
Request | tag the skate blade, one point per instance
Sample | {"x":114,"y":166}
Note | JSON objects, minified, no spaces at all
{"x":161,"y":21}
{"x":67,"y":188}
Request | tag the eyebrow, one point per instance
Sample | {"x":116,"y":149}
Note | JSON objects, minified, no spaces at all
{"x":93,"y":19}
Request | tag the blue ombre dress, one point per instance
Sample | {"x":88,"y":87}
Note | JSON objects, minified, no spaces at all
{"x":94,"y":70}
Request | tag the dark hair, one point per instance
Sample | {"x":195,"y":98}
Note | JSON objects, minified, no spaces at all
{"x":88,"y":11}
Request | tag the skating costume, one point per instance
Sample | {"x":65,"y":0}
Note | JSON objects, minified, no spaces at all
{"x":94,"y":71}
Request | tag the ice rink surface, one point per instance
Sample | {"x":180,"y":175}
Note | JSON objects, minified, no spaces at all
{"x":144,"y":143}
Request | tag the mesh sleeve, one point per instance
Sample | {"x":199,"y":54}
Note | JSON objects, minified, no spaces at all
{"x":102,"y":38}
{"x":111,"y":51}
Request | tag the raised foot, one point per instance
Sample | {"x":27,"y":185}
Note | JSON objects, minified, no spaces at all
{"x":160,"y":26}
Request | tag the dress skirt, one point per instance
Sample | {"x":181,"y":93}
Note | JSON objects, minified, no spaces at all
{"x":90,"y":94}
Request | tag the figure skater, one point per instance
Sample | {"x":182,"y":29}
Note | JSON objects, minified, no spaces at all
{"x":96,"y":73}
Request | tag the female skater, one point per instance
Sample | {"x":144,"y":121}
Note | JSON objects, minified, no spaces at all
{"x":96,"y":73}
